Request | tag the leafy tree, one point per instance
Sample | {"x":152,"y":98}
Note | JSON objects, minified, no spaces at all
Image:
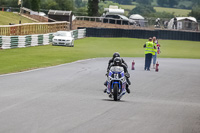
{"x":78,"y":3}
{"x":65,"y":4}
{"x":50,"y":4}
{"x":195,"y":12}
{"x":82,"y":11}
{"x":196,"y":2}
{"x":126,"y":2}
{"x":93,"y":7}
{"x":145,"y":2}
{"x":35,"y":5}
{"x":27,"y":3}
{"x":106,"y":4}
{"x":173,"y":3}
{"x":3,"y":2}
{"x":167,"y":3}
{"x":142,"y":9}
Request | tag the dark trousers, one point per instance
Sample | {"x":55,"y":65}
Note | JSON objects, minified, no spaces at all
{"x":148,"y":58}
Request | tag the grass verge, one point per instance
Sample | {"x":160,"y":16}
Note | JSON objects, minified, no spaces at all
{"x":20,"y":59}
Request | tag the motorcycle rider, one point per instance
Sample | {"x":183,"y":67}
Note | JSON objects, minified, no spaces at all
{"x":116,"y":54}
{"x":117,"y":61}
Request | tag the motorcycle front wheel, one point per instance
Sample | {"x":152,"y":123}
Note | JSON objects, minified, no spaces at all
{"x":115,"y":92}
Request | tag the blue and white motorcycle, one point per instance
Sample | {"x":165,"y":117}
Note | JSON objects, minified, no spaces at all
{"x":116,"y":82}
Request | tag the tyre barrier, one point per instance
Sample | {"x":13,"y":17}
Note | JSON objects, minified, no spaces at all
{"x":81,"y":33}
{"x":7,"y":42}
{"x":143,"y":34}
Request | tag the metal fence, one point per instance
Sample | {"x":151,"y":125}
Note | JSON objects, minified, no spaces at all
{"x":143,"y":34}
{"x":149,"y":23}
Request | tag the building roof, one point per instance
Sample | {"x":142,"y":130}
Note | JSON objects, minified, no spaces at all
{"x":59,"y":12}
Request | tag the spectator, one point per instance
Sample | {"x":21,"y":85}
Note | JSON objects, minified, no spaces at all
{"x":174,"y":23}
{"x":157,"y":23}
{"x":155,"y":52}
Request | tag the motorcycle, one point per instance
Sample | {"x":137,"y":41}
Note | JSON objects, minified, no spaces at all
{"x":116,"y":83}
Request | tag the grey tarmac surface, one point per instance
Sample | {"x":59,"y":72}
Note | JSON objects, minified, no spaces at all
{"x":69,"y":98}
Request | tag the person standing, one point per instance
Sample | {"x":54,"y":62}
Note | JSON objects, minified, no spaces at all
{"x":149,"y":50}
{"x":154,"y":56}
{"x":174,"y":23}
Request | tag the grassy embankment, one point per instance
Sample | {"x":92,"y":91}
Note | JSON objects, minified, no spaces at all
{"x":177,"y":12}
{"x":9,"y":17}
{"x":20,"y":59}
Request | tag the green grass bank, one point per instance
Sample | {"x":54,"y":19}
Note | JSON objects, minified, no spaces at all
{"x":9,"y":17}
{"x":20,"y":59}
{"x":177,"y":12}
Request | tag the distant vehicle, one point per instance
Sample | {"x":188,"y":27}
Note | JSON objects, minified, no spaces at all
{"x":63,"y":38}
{"x":118,"y":19}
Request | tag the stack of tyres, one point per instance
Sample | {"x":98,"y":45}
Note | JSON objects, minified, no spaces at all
{"x":50,"y":37}
{"x":28,"y":40}
{"x":75,"y":34}
{"x":21,"y":42}
{"x":40,"y":39}
{"x":0,"y":41}
{"x":14,"y":41}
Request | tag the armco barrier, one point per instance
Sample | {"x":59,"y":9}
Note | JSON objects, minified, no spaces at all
{"x":144,"y":34}
{"x":7,"y":42}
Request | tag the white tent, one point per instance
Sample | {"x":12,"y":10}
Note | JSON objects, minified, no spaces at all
{"x":140,"y":21}
{"x":185,"y":23}
{"x":136,"y":17}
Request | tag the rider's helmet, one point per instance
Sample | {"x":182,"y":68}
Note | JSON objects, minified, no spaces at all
{"x":117,"y":61}
{"x":116,"y":54}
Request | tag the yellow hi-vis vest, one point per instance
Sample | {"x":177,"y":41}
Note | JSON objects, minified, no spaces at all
{"x":149,"y":48}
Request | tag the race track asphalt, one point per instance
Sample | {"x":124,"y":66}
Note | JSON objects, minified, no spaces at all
{"x":69,"y":98}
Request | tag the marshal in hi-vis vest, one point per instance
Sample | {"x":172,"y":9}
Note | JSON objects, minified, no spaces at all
{"x":149,"y":48}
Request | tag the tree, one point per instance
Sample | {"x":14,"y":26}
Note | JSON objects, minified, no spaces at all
{"x":93,"y":7}
{"x":106,"y":4}
{"x":65,"y":4}
{"x":142,"y":9}
{"x":196,"y":2}
{"x":172,"y":3}
{"x":167,"y":3}
{"x":35,"y":5}
{"x":145,"y":2}
{"x":126,"y":2}
{"x":27,"y":3}
{"x":3,"y":2}
{"x":78,"y":3}
{"x":195,"y":12}
{"x":162,"y":3}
